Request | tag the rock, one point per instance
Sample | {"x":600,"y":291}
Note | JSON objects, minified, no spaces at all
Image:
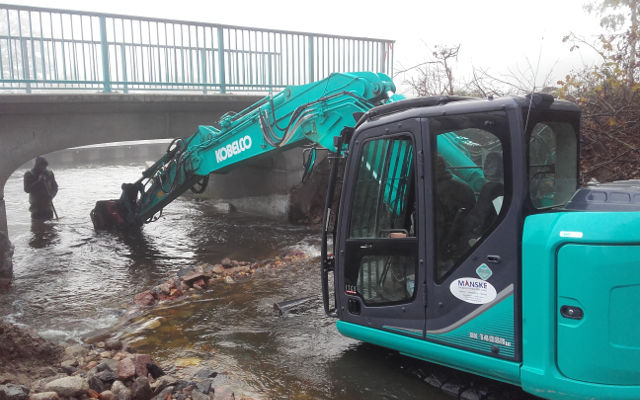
{"x":154,"y":370}
{"x":97,"y":336}
{"x":93,"y":394}
{"x":105,"y":354}
{"x":204,"y":373}
{"x":196,"y":273}
{"x":228,"y":279}
{"x":120,"y":391}
{"x":164,"y":288}
{"x":107,"y":395}
{"x":473,"y":394}
{"x":126,"y":368}
{"x":204,"y":386}
{"x":14,"y":392}
{"x":195,"y":395}
{"x":120,"y":356}
{"x":226,"y":262}
{"x":97,"y":384}
{"x":76,"y":350}
{"x":112,"y":344}
{"x":140,"y":389}
{"x":144,"y":299}
{"x":452,"y":388}
{"x":218,"y":269}
{"x":91,"y":364}
{"x":108,"y":365}
{"x":71,"y":386}
{"x":44,"y":396}
{"x":435,"y":380}
{"x":163,"y":382}
{"x":69,"y":366}
{"x":165,"y":394}
{"x":141,"y":361}
{"x":106,"y":376}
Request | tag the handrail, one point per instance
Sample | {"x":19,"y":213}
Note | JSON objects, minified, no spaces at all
{"x":44,"y":49}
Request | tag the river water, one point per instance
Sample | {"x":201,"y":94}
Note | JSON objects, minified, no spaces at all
{"x":71,"y":280}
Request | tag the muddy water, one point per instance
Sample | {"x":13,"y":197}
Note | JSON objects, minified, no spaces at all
{"x":70,"y":280}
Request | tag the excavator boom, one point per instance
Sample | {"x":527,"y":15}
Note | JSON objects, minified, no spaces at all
{"x":316,"y":112}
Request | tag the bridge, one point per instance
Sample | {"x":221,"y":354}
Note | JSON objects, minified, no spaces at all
{"x":71,"y":78}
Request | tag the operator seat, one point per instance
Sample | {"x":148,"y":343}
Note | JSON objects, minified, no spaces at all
{"x":491,"y":195}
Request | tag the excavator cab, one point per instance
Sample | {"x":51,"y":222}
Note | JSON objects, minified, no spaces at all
{"x":455,"y":240}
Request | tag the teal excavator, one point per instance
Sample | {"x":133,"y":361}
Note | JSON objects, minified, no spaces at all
{"x":457,"y":232}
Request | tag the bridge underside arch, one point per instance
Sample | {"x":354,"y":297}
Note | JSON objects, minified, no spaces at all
{"x":31,"y":125}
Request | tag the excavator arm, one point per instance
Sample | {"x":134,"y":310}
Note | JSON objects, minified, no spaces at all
{"x":316,"y":112}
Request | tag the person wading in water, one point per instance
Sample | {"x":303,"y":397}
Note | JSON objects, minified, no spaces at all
{"x":41,"y":185}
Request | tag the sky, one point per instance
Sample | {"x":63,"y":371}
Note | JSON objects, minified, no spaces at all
{"x":499,"y":36}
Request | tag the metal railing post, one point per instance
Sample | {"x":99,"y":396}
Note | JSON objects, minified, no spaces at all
{"x":223,"y":85}
{"x":125,"y":79}
{"x":106,"y":79}
{"x":25,"y":64}
{"x":203,"y":56}
{"x":310,"y":58}
{"x":383,"y":57}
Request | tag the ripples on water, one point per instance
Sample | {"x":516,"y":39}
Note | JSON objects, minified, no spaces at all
{"x":70,"y":280}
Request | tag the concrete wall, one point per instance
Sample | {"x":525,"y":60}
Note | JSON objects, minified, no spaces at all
{"x":261,"y":186}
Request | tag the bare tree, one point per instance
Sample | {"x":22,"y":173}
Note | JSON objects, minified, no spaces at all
{"x":435,"y":76}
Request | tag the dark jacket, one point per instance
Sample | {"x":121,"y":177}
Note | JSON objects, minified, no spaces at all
{"x":42,"y":188}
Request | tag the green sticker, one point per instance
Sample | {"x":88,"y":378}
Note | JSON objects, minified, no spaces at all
{"x":484,"y":272}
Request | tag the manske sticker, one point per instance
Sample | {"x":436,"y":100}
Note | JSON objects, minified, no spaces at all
{"x":473,"y":290}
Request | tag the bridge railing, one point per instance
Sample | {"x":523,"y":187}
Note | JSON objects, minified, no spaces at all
{"x":44,"y":49}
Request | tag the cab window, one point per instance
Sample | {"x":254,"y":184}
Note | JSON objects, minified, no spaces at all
{"x":553,"y":166}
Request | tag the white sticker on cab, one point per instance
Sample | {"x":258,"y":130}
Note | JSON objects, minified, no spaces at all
{"x":473,"y":290}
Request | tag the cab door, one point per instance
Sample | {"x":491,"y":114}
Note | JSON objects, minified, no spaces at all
{"x":380,"y":267}
{"x":472,"y":279}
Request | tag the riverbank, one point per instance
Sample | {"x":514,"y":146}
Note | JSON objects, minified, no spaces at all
{"x":107,"y":366}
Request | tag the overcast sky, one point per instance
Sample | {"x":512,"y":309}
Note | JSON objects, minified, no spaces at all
{"x":501,"y":36}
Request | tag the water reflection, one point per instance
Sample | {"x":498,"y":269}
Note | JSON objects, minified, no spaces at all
{"x":44,"y":234}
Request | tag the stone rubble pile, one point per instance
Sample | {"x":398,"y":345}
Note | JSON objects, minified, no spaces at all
{"x":201,"y":276}
{"x":107,"y":371}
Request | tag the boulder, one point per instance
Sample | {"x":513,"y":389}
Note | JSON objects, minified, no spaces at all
{"x":140,"y":389}
{"x":126,"y":368}
{"x":70,"y":386}
{"x":13,"y":392}
{"x":140,"y":361}
{"x":226,"y":262}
